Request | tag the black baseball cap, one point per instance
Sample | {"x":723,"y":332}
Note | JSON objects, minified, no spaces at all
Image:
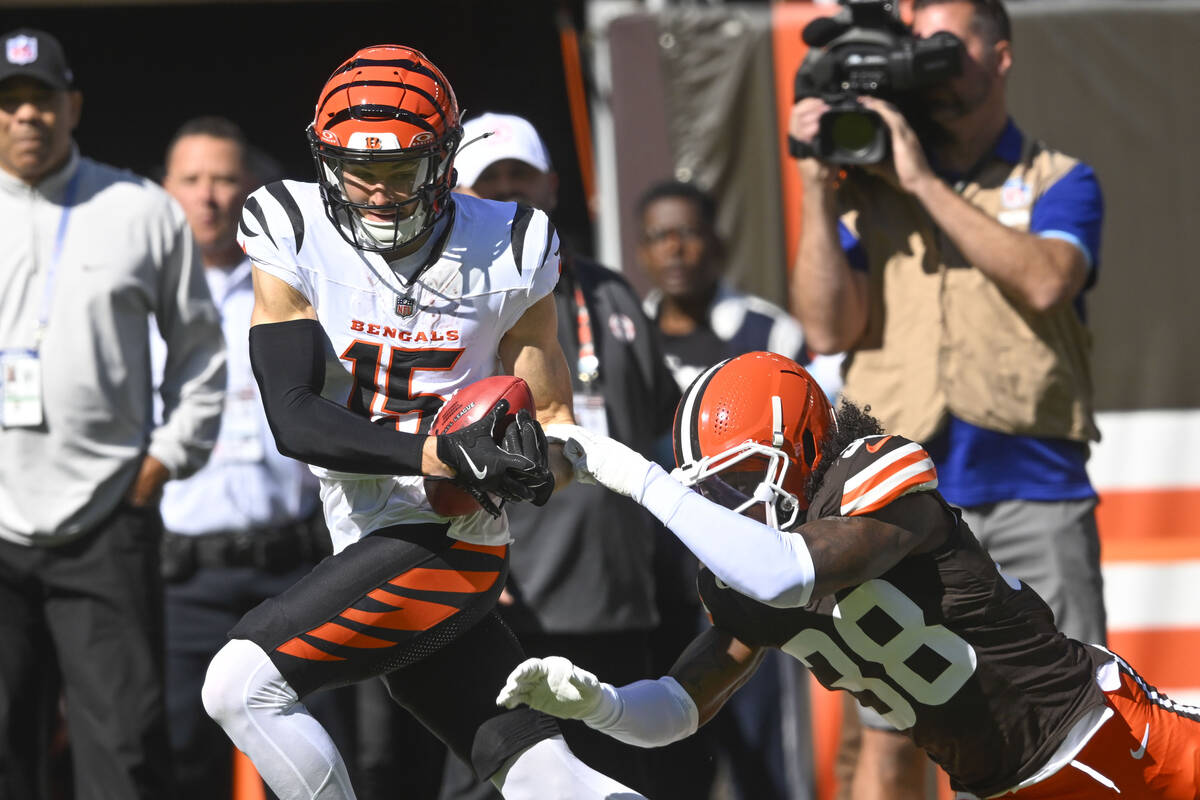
{"x":35,"y":54}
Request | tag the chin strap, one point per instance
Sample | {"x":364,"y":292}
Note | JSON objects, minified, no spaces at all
{"x":394,"y":234}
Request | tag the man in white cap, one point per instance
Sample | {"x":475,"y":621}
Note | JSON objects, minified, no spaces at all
{"x":581,"y":575}
{"x":503,"y":158}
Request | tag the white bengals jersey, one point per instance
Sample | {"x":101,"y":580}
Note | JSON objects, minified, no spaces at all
{"x":398,"y":349}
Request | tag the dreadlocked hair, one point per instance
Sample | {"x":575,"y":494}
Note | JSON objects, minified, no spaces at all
{"x":853,"y":422}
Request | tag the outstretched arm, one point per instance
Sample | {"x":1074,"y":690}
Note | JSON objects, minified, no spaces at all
{"x":779,"y":568}
{"x":713,"y":667}
{"x":644,"y":713}
{"x":849,"y":550}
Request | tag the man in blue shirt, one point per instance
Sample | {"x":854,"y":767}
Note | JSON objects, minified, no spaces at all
{"x":954,"y":276}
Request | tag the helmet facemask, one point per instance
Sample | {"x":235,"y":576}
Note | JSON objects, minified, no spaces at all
{"x":747,"y":434}
{"x":418,"y":177}
{"x":747,"y":478}
{"x":747,"y":475}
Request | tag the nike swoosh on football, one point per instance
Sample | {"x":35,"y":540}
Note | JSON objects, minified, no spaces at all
{"x":1141,"y":751}
{"x":480,"y":474}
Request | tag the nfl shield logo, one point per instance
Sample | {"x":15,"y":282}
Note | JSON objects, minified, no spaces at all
{"x":405,"y":306}
{"x":21,"y":50}
{"x":1015,"y":194}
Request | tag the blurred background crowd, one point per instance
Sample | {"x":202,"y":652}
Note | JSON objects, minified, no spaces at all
{"x":654,"y":134}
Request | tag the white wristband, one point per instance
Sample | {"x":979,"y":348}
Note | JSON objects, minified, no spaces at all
{"x":646,"y":713}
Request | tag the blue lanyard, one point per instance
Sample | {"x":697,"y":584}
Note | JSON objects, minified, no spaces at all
{"x":60,"y":236}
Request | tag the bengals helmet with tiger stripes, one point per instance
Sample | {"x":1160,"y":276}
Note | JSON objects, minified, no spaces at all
{"x":749,"y":431}
{"x":387,"y":113}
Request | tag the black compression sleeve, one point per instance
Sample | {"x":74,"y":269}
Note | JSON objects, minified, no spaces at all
{"x":289,"y":364}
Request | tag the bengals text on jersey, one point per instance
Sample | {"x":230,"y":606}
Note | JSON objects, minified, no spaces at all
{"x":399,"y":345}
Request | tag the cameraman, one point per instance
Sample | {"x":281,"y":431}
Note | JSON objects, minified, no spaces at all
{"x":953,"y":274}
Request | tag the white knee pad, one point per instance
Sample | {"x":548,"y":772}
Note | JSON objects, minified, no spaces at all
{"x":549,"y":770}
{"x":260,"y":712}
{"x":242,"y":679}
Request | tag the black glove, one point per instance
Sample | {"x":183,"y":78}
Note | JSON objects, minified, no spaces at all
{"x":526,"y":438}
{"x":481,"y":466}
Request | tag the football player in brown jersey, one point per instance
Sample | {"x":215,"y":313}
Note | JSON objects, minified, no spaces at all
{"x":828,"y":539}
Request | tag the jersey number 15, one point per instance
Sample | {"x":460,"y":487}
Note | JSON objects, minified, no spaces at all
{"x":391,"y":398}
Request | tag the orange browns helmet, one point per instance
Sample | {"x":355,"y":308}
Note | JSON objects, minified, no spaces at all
{"x":389,"y":111}
{"x":749,"y":430}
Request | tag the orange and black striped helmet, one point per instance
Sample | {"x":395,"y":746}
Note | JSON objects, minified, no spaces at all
{"x":386,"y":116}
{"x":749,"y":431}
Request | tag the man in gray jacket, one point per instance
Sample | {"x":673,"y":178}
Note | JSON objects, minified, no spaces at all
{"x":87,"y":254}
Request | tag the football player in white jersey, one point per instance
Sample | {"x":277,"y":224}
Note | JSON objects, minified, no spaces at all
{"x":377,"y":294}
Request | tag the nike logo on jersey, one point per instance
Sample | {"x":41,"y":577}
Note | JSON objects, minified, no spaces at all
{"x":873,"y":447}
{"x":1141,"y":751}
{"x":480,"y":474}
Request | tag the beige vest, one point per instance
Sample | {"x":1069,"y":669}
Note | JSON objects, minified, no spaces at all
{"x":942,"y":337}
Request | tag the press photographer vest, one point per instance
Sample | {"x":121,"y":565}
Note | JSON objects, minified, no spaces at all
{"x":942,"y":337}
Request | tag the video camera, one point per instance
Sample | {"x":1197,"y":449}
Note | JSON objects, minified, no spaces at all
{"x":866,"y":49}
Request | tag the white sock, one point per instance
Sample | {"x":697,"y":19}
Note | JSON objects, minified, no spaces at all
{"x":261,"y":714}
{"x":550,"y":771}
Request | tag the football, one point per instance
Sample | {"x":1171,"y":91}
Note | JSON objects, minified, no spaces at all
{"x":470,"y":404}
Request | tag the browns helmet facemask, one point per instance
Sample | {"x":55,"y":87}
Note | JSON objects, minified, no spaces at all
{"x":387,"y":115}
{"x":748,"y":431}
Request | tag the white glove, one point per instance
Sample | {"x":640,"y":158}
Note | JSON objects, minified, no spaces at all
{"x":599,"y":459}
{"x":554,"y":686}
{"x":644,"y":713}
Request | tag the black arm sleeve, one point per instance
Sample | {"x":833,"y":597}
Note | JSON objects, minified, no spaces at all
{"x":289,"y":364}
